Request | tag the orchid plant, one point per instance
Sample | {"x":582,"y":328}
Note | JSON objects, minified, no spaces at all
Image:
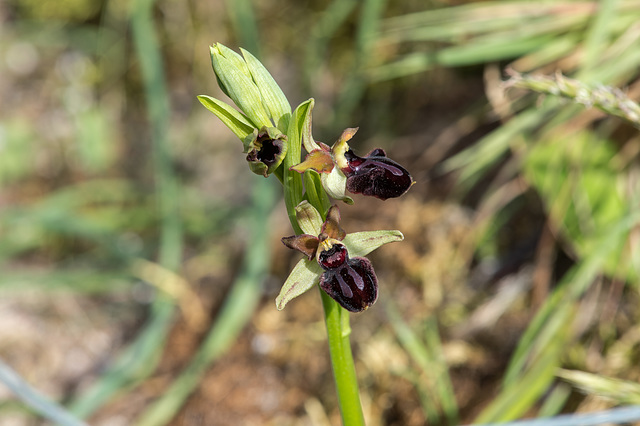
{"x":273,"y":136}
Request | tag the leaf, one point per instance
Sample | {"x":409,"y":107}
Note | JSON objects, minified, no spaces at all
{"x":303,"y":276}
{"x":308,"y":218}
{"x":363,"y":243}
{"x":272,"y":96}
{"x":240,"y":125}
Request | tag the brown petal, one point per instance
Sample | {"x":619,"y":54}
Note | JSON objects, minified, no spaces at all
{"x":331,"y":226}
{"x":305,"y":243}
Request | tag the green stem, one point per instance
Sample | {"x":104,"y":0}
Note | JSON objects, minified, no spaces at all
{"x":338,"y":332}
{"x":344,"y":371}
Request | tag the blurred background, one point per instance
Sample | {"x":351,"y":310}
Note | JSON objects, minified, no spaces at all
{"x":140,"y":259}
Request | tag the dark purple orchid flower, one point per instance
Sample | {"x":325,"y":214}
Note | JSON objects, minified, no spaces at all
{"x":376,"y":175}
{"x":351,"y":282}
{"x":265,"y":150}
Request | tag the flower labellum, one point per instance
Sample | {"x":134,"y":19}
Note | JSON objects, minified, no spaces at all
{"x":350,"y":282}
{"x":375,"y":175}
{"x":265,"y":150}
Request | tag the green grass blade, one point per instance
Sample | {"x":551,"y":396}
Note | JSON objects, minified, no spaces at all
{"x":332,"y":18}
{"x":557,"y":309}
{"x":596,"y":40}
{"x":135,"y":363}
{"x":514,"y":401}
{"x":243,"y":21}
{"x":555,"y":400}
{"x":429,"y":358}
{"x":139,"y":359}
{"x":237,"y":310}
{"x":356,"y":84}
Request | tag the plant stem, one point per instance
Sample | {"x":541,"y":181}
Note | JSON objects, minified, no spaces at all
{"x":344,"y":371}
{"x":336,"y":318}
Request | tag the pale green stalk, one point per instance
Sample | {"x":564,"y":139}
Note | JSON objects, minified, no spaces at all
{"x":336,"y":318}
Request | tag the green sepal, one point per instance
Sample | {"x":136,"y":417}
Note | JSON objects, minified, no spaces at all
{"x":304,"y":275}
{"x":292,"y":180}
{"x":307,"y":136}
{"x":363,"y":243}
{"x":239,"y":86}
{"x":275,"y":101}
{"x":309,"y":218}
{"x":237,"y":122}
{"x":259,"y":168}
{"x":233,"y":56}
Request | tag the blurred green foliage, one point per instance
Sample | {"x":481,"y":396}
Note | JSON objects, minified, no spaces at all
{"x":106,"y":157}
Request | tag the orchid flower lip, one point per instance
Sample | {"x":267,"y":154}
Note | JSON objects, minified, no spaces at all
{"x":376,"y":175}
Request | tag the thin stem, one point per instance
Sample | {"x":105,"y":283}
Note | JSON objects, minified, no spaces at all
{"x":344,"y":371}
{"x":336,"y":318}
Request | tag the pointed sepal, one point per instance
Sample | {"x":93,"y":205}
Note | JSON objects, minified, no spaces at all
{"x":308,"y":218}
{"x":304,"y":275}
{"x":274,"y":100}
{"x":363,"y":243}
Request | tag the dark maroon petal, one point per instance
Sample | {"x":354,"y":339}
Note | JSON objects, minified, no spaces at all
{"x":334,"y":257}
{"x":376,"y":175}
{"x":353,"y":285}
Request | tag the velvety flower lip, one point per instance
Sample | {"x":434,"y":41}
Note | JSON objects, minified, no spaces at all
{"x":376,"y":175}
{"x":351,"y":282}
{"x":353,"y":285}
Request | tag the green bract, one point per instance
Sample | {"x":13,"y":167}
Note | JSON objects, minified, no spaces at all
{"x":248,"y":83}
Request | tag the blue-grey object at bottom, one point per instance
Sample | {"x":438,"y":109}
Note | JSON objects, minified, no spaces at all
{"x":34,"y":399}
{"x":616,"y":416}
